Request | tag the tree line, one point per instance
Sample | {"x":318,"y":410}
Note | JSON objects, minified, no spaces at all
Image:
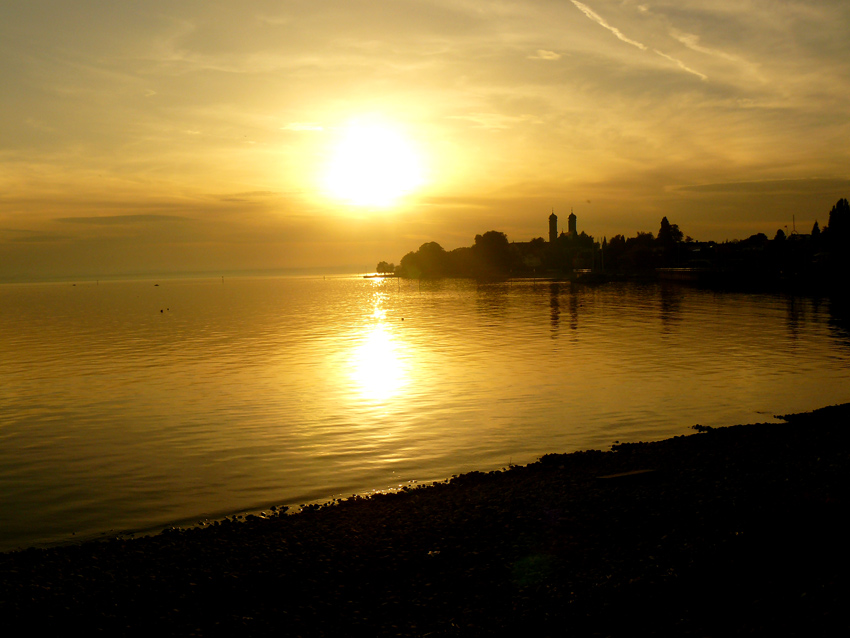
{"x":819,"y":254}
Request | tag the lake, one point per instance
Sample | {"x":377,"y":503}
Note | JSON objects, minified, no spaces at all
{"x":129,"y":405}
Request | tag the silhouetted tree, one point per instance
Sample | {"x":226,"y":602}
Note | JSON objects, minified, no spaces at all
{"x":432,"y":259}
{"x":820,"y":259}
{"x":668,"y":237}
{"x":639,"y":253}
{"x":384,"y":267}
{"x":677,"y":234}
{"x":409,"y":266}
{"x":460,"y":262}
{"x":529,"y":256}
{"x":614,"y":252}
{"x":759,"y":240}
{"x":492,"y":254}
{"x":668,"y":233}
{"x":838,"y":227}
{"x":427,"y":262}
{"x":836,"y":240}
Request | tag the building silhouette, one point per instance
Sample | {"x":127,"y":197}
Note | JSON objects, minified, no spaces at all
{"x":553,"y":226}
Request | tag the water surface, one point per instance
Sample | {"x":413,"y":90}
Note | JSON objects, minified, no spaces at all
{"x":127,"y":405}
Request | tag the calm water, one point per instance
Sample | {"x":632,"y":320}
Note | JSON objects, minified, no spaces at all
{"x":127,"y":405}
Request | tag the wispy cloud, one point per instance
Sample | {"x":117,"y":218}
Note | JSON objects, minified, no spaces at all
{"x":109,"y":220}
{"x":692,"y":41}
{"x":247,"y":196}
{"x":118,"y":121}
{"x":25,"y":236}
{"x":802,"y":185}
{"x":496,"y":121}
{"x":590,"y":13}
{"x":682,"y":65}
{"x":543,"y":54}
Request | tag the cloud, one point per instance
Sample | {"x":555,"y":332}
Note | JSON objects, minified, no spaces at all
{"x":692,"y":42}
{"x":682,"y":66}
{"x":29,"y":236}
{"x":496,"y":121}
{"x":519,"y":105}
{"x":247,"y":196}
{"x":109,"y":220}
{"x":804,"y":185}
{"x":542,"y":54}
{"x":590,"y":13}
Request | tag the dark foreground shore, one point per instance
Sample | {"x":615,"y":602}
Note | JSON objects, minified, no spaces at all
{"x":731,"y":531}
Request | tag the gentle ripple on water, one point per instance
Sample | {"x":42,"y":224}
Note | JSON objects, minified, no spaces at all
{"x":126,"y":405}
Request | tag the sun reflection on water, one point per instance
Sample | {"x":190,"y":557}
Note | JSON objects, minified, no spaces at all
{"x":377,"y":367}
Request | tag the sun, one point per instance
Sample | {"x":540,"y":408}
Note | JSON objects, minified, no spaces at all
{"x":373,"y":165}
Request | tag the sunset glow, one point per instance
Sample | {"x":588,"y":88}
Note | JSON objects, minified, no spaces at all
{"x":376,"y":366}
{"x":170,"y":137}
{"x":372,"y":165}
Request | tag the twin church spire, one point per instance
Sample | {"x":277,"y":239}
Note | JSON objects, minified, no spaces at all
{"x":553,"y":225}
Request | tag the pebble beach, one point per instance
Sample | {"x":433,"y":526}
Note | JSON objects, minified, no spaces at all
{"x":727,"y":531}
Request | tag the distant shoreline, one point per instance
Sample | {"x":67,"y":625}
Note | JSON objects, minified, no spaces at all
{"x":703,"y":278}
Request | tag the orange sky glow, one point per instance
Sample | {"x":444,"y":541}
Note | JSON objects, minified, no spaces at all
{"x":228,"y":136}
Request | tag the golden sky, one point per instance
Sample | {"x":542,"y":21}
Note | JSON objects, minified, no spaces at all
{"x":181,"y":135}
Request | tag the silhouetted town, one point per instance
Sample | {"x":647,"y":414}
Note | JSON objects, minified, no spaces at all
{"x":818,"y":259}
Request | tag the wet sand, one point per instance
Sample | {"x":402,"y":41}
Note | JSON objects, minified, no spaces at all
{"x":731,"y":531}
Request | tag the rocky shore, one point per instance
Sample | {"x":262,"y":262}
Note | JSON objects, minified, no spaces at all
{"x":728,"y":531}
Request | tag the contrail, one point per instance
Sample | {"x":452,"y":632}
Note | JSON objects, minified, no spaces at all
{"x":590,"y":13}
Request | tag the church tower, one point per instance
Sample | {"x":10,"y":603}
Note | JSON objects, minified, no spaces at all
{"x":571,"y":224}
{"x":553,"y":227}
